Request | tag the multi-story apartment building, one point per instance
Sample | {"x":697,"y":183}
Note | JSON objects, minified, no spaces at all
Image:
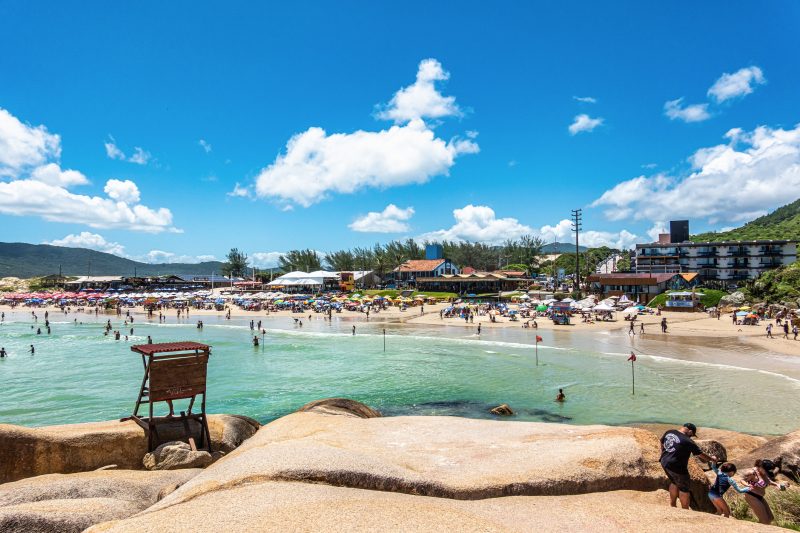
{"x":721,"y":261}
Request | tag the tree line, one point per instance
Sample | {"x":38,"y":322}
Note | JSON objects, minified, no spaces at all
{"x":524,"y":254}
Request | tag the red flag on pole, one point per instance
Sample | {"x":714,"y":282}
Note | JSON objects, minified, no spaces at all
{"x":538,"y":338}
{"x":632,"y":357}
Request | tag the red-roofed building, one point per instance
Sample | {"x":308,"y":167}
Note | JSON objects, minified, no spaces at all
{"x":424,"y":268}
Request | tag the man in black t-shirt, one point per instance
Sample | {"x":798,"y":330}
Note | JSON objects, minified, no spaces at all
{"x":676,"y":448}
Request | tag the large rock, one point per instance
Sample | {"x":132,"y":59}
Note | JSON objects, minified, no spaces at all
{"x":502,"y":410}
{"x":26,"y":452}
{"x":340,"y":406}
{"x":783,"y":451}
{"x":291,"y":506}
{"x":176,"y":455}
{"x":735,"y":299}
{"x":73,"y":502}
{"x":711,"y":448}
{"x":446,"y":457}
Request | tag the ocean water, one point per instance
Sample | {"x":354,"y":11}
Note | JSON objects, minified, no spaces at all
{"x":80,"y":375}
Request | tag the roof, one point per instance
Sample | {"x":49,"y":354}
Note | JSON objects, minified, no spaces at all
{"x":97,"y":279}
{"x":150,"y":349}
{"x":512,"y":273}
{"x":468,"y":270}
{"x":689,"y":276}
{"x":619,"y":278}
{"x":420,"y":265}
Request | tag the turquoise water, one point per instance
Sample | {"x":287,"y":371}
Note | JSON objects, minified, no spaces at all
{"x":78,"y":375}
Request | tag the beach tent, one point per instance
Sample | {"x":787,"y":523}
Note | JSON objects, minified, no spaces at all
{"x":631,"y":311}
{"x":603,"y":307}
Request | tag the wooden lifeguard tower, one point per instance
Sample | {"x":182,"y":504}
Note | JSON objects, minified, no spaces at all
{"x":173,"y":371}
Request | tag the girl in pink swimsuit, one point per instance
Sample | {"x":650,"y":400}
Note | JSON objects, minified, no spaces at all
{"x":758,"y":479}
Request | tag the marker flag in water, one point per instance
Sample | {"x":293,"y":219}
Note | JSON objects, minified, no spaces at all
{"x":632,"y":357}
{"x":538,"y":338}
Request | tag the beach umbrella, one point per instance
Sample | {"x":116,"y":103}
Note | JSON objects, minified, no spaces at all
{"x":541,"y":307}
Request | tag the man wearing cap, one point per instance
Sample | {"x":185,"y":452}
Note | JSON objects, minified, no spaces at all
{"x":676,"y":448}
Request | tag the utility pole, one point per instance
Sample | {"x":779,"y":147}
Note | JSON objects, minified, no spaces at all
{"x":577,"y":218}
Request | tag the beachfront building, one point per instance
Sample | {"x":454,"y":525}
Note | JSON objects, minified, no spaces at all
{"x":94,"y":282}
{"x":732,"y":261}
{"x":472,"y":283}
{"x":414,"y":269}
{"x":639,"y":287}
{"x":723,"y":261}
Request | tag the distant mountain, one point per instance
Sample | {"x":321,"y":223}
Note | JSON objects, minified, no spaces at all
{"x":30,"y":260}
{"x":561,"y":248}
{"x":781,"y":224}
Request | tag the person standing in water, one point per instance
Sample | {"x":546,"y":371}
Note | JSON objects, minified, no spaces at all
{"x":560,"y":397}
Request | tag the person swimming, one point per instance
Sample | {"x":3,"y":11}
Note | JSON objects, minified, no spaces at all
{"x":560,"y":397}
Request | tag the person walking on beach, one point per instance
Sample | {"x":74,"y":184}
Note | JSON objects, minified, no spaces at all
{"x":479,"y":329}
{"x":769,"y":331}
{"x":676,"y":448}
{"x":786,"y":330}
{"x":664,"y":325}
{"x":354,"y":329}
{"x":641,"y":328}
{"x":630,"y":330}
{"x":794,"y":332}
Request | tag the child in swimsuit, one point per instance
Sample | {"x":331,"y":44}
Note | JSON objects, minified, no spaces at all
{"x":723,"y":482}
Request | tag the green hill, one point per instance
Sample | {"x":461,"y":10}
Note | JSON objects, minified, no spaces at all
{"x":781,"y":224}
{"x":561,"y":248}
{"x":23,"y":260}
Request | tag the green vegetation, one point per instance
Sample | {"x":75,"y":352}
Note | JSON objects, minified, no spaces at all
{"x":781,"y":224}
{"x":34,"y":260}
{"x":523,"y":253}
{"x":710,"y":298}
{"x":775,"y":286}
{"x":236,"y":265}
{"x":785,"y":506}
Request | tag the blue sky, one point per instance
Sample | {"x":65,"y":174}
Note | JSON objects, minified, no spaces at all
{"x":409,"y":120}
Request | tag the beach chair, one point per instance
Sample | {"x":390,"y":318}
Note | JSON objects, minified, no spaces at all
{"x":173,"y":371}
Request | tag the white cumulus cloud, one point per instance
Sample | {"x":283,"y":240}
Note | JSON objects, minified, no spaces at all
{"x":728,"y":182}
{"x":89,"y":240}
{"x":205,"y":145}
{"x":391,"y":220}
{"x":38,"y":186}
{"x":316,"y":164}
{"x":112,"y":150}
{"x":479,"y":223}
{"x":266,"y":259}
{"x":23,"y":147}
{"x":422,"y":99}
{"x":122,"y":190}
{"x":584,"y":122}
{"x":675,"y":110}
{"x":740,"y":83}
